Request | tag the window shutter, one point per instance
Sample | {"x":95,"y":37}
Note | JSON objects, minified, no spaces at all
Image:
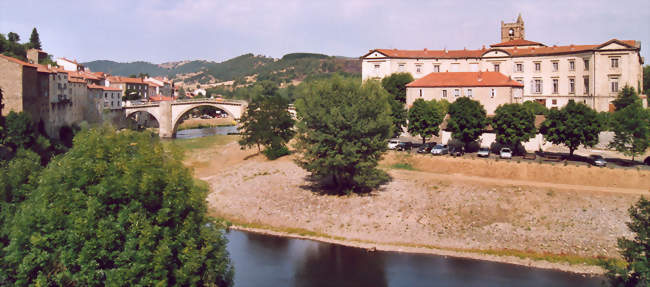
{"x":542,"y":84}
{"x":532,"y":86}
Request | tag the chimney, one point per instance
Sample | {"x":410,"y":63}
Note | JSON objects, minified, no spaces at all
{"x":32,"y":56}
{"x":483,"y":47}
{"x":425,"y":49}
{"x":49,"y":66}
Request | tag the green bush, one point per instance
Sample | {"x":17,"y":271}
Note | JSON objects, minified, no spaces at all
{"x":472,"y":147}
{"x":275,"y":152}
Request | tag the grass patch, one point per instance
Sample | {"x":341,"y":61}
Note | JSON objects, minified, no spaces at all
{"x":203,"y":142}
{"x":401,"y":165}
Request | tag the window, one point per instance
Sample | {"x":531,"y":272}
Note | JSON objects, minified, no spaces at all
{"x":420,"y":93}
{"x":586,"y":64}
{"x":537,"y":88}
{"x":538,"y":67}
{"x":555,"y":66}
{"x":377,"y":67}
{"x":586,"y":83}
{"x":493,"y":93}
{"x":436,"y":68}
{"x":520,"y":67}
{"x":554,"y":102}
{"x":520,"y":80}
{"x":418,"y":68}
{"x":496,"y":67}
{"x":457,"y":93}
{"x":401,"y":67}
{"x":444,"y":93}
{"x":614,"y":85}
{"x":469,"y":93}
{"x":572,"y":86}
{"x":614,"y":63}
{"x":572,"y":65}
{"x":555,"y":86}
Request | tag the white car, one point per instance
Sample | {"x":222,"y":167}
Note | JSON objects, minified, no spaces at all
{"x":392,"y":144}
{"x":505,"y":153}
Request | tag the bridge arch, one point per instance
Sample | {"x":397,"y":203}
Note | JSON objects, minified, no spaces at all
{"x":186,"y":109}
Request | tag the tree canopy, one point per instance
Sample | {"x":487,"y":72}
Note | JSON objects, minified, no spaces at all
{"x":343,"y":131}
{"x":267,"y":122}
{"x":626,"y":97}
{"x":118,"y":209}
{"x":35,"y":40}
{"x":425,"y":118}
{"x":631,"y":126}
{"x":574,"y":125}
{"x":635,"y":251}
{"x":535,"y":108}
{"x":513,"y":124}
{"x":395,"y":84}
{"x":467,"y":119}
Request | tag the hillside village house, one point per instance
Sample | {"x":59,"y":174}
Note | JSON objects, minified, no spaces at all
{"x":551,"y":75}
{"x":490,"y":88}
{"x":133,"y":84}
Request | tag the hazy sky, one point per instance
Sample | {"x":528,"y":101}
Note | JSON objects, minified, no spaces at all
{"x":163,"y":30}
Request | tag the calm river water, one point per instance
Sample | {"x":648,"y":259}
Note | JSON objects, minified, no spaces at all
{"x":263,"y":260}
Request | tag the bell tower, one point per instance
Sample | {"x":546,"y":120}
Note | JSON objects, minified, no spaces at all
{"x":512,"y":31}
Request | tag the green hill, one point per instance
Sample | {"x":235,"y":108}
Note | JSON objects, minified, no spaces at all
{"x":296,"y":66}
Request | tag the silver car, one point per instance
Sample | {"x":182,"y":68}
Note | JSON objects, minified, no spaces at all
{"x":597,"y":160}
{"x":505,"y":153}
{"x":440,"y":149}
{"x":392,"y":144}
{"x":483,"y":152}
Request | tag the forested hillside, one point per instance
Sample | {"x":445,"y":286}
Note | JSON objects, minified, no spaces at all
{"x":297,"y":66}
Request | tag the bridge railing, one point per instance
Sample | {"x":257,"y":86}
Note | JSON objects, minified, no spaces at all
{"x":218,"y":100}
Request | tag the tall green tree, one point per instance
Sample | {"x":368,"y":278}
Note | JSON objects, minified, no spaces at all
{"x":631,"y":127}
{"x":425,"y":118}
{"x":572,"y":126}
{"x":535,"y":107}
{"x":267,"y":122}
{"x":395,"y":84}
{"x":513,"y":124}
{"x":626,"y":97}
{"x":343,"y":132}
{"x":13,"y":37}
{"x":646,"y":79}
{"x":35,"y":40}
{"x":118,"y":209}
{"x":635,"y":251}
{"x":467,"y":120}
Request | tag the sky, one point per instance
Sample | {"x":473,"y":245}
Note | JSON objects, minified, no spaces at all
{"x":163,"y":30}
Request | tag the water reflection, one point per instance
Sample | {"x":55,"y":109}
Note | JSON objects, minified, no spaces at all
{"x":197,"y":133}
{"x":262,"y":260}
{"x":334,"y":265}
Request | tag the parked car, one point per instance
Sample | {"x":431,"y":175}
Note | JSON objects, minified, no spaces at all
{"x":505,"y":153}
{"x":206,"y":117}
{"x":440,"y":149}
{"x":392,"y":144}
{"x":597,"y":160}
{"x":426,"y":148}
{"x":484,"y":152}
{"x":404,"y":146}
{"x":456,"y":151}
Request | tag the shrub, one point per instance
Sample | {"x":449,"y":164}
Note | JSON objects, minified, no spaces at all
{"x":495,"y":147}
{"x":455,"y":144}
{"x":472,"y":146}
{"x":275,"y":152}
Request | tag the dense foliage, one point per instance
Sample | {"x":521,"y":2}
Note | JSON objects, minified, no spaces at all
{"x":267,"y":122}
{"x":118,"y":210}
{"x":513,"y":124}
{"x":424,"y":118}
{"x":574,"y":125}
{"x":35,"y":40}
{"x":395,"y":85}
{"x":11,"y":46}
{"x":535,"y":108}
{"x":343,"y":131}
{"x":626,"y":97}
{"x":631,"y":127}
{"x":467,"y":119}
{"x":646,"y":79}
{"x":635,"y":251}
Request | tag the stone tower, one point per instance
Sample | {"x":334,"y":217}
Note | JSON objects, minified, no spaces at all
{"x":512,"y":31}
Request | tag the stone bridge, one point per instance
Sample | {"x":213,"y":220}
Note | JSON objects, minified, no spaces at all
{"x":169,"y":113}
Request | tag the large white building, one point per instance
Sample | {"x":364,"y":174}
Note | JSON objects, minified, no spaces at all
{"x":551,"y":75}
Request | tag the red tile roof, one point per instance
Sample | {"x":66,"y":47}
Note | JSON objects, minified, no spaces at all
{"x":464,"y":79}
{"x":518,"y":42}
{"x":20,"y":62}
{"x":118,"y":79}
{"x":159,"y":98}
{"x":76,"y":80}
{"x":91,"y":86}
{"x":515,"y":51}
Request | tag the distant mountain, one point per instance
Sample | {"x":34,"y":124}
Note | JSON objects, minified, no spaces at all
{"x":290,"y":67}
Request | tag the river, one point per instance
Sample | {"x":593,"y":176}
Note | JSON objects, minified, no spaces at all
{"x":264,"y":260}
{"x":197,"y":133}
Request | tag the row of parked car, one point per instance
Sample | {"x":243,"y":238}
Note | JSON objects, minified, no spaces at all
{"x":440,"y":149}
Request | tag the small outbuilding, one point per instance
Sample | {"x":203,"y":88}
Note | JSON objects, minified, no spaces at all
{"x":491,"y":89}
